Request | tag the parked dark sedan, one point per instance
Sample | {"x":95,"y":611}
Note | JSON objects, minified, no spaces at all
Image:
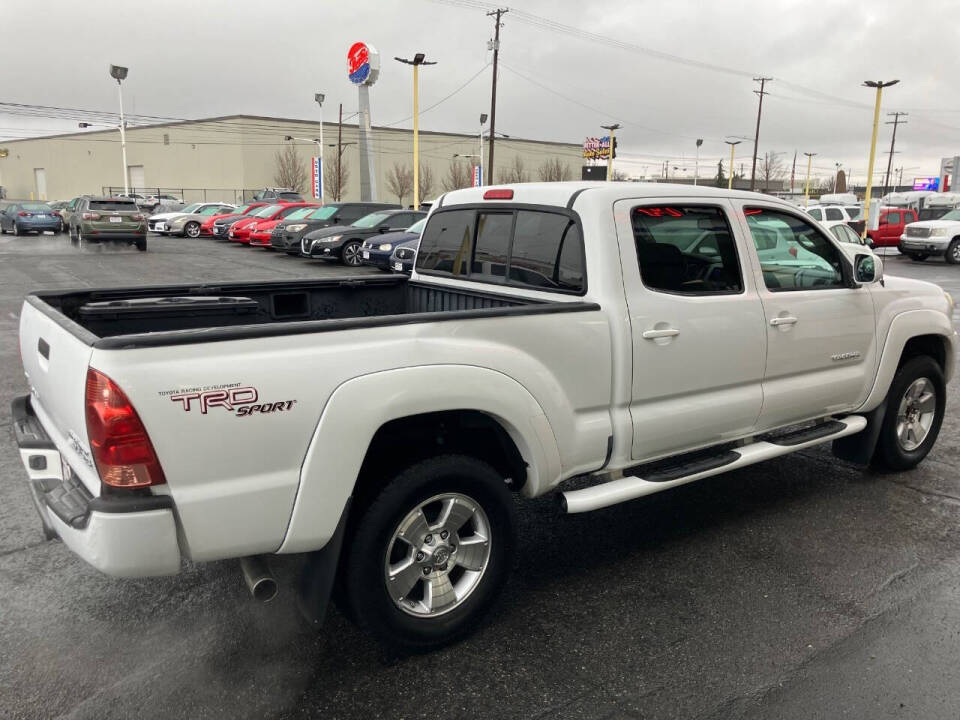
{"x":377,"y":251}
{"x":404,"y":256}
{"x":288,"y":233}
{"x":343,"y":242}
{"x":23,"y":218}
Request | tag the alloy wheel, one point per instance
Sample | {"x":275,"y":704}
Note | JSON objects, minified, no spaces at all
{"x":437,"y":555}
{"x":351,"y":254}
{"x":918,"y":407}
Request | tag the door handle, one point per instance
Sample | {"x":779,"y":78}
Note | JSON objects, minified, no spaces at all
{"x":788,"y":320}
{"x":654,"y":334}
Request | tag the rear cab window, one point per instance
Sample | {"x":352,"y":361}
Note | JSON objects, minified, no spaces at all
{"x":113,"y":205}
{"x":529,"y":247}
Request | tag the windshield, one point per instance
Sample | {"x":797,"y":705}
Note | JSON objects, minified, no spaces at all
{"x":324,"y":213}
{"x":952,"y":215}
{"x":37,"y":207}
{"x":192,"y":207}
{"x":299,"y":214}
{"x":212,"y":210}
{"x":417,"y":227}
{"x":369,"y":221}
{"x":267,"y":211}
{"x":243,"y":209}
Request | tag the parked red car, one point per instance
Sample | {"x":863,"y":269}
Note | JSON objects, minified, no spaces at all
{"x":892,"y":223}
{"x":262,"y":231}
{"x":240,"y":230}
{"x":206,"y":227}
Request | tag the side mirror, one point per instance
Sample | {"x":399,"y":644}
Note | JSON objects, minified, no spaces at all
{"x":867,"y":269}
{"x":871,"y":244}
{"x":382,"y":229}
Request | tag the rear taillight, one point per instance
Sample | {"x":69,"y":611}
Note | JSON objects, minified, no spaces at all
{"x":121,"y":448}
{"x":24,"y":214}
{"x":137,"y":217}
{"x":91,"y":216}
{"x":499,"y":194}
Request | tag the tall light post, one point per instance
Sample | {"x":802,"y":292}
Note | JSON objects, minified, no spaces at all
{"x":879,"y":85}
{"x":696,"y":162}
{"x":417,"y":61}
{"x":119,"y":74}
{"x":612,"y":129}
{"x":318,"y":97}
{"x":733,"y":144}
{"x":806,"y":189}
{"x":479,"y":176}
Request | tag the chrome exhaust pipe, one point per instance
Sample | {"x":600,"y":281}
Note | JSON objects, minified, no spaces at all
{"x":260,"y":581}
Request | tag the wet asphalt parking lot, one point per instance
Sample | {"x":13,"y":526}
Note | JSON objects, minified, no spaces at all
{"x":799,"y":588}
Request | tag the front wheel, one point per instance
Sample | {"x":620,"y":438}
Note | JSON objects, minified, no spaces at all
{"x":915,"y":405}
{"x":16,"y":229}
{"x":192,"y":230}
{"x":351,"y":254}
{"x":430,"y":554}
{"x":952,"y":255}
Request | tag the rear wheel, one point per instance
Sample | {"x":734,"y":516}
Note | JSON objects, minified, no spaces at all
{"x":141,"y":244}
{"x":915,"y":405}
{"x":192,"y":229}
{"x":350,"y":254}
{"x":16,"y":228}
{"x":953,"y":252}
{"x":79,"y":237}
{"x":430,"y":554}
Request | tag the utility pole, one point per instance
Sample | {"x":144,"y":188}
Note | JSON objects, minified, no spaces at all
{"x":496,"y":14}
{"x":893,"y":141}
{"x":793,"y":171}
{"x":806,"y":190}
{"x":340,"y":155}
{"x":756,"y":136}
{"x":879,"y":85}
{"x":900,"y":181}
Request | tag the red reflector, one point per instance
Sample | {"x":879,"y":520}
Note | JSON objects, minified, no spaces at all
{"x":658,"y":212}
{"x":501,"y":194}
{"x":121,"y":448}
{"x":752,"y":211}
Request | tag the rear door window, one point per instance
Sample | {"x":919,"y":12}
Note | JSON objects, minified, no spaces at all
{"x":816,"y":213}
{"x":833,"y":214}
{"x":520,"y":248}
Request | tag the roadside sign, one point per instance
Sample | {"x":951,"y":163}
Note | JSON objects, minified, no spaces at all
{"x":363,"y":64}
{"x":477,"y":176}
{"x":317,"y":167}
{"x":926,"y":183}
{"x":596,"y":148}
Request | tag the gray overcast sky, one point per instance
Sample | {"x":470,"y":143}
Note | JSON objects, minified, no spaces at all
{"x":212,"y":57}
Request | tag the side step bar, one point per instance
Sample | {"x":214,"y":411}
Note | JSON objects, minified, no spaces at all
{"x":631,"y":487}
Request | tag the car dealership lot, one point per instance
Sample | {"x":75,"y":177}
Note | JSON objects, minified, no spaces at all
{"x":796,"y":588}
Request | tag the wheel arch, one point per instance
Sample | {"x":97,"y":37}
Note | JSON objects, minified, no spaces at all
{"x":445,"y":403}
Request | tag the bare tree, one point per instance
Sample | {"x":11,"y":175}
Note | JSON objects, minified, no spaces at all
{"x":400,"y":181}
{"x":516,"y":173}
{"x":555,"y":170}
{"x":333,"y":183}
{"x":619,"y":176}
{"x":426,"y":183}
{"x":458,"y":176}
{"x":771,"y":168}
{"x":290,"y":171}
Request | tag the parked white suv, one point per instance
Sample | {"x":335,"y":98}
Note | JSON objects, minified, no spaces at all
{"x":832,"y":213}
{"x":634,"y":337}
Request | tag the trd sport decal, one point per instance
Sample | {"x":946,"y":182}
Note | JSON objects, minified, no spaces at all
{"x":240,"y":401}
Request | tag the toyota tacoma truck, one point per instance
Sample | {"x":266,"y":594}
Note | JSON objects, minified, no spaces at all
{"x":631,"y":337}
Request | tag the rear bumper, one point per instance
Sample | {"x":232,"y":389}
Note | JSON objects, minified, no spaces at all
{"x":39,"y":227}
{"x":122,"y":535}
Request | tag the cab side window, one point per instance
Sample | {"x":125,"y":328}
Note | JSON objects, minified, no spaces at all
{"x":686,"y":249}
{"x":794,"y":254}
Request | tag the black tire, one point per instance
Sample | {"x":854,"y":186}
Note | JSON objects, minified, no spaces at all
{"x":192,"y":229}
{"x":3,"y":230}
{"x":890,"y":454}
{"x":350,"y":254}
{"x":16,"y":229}
{"x":918,"y":257}
{"x":141,"y":244}
{"x":952,"y":256}
{"x":362,"y":564}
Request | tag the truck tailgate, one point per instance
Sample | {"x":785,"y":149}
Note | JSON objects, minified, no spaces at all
{"x":55,"y":362}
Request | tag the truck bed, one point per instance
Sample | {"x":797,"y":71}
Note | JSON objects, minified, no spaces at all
{"x":176,"y":314}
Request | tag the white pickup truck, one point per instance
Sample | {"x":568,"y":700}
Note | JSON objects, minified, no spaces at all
{"x":635,"y":337}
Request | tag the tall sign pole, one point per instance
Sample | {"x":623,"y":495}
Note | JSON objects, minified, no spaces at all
{"x":871,"y":217}
{"x":496,"y":14}
{"x":363,"y":68}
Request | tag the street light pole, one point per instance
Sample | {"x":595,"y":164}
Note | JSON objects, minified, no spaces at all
{"x":612,"y":129}
{"x":806,"y":190}
{"x":119,"y":73}
{"x":696,"y":162}
{"x":879,"y":85}
{"x":319,"y":98}
{"x":417,"y":61}
{"x":483,"y":120}
{"x":733,"y":144}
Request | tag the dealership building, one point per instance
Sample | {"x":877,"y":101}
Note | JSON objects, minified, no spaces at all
{"x":228,"y":158}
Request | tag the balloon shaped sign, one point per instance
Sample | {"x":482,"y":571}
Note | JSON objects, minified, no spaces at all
{"x":363,"y":64}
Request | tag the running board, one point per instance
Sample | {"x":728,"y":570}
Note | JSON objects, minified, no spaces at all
{"x":631,"y":487}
